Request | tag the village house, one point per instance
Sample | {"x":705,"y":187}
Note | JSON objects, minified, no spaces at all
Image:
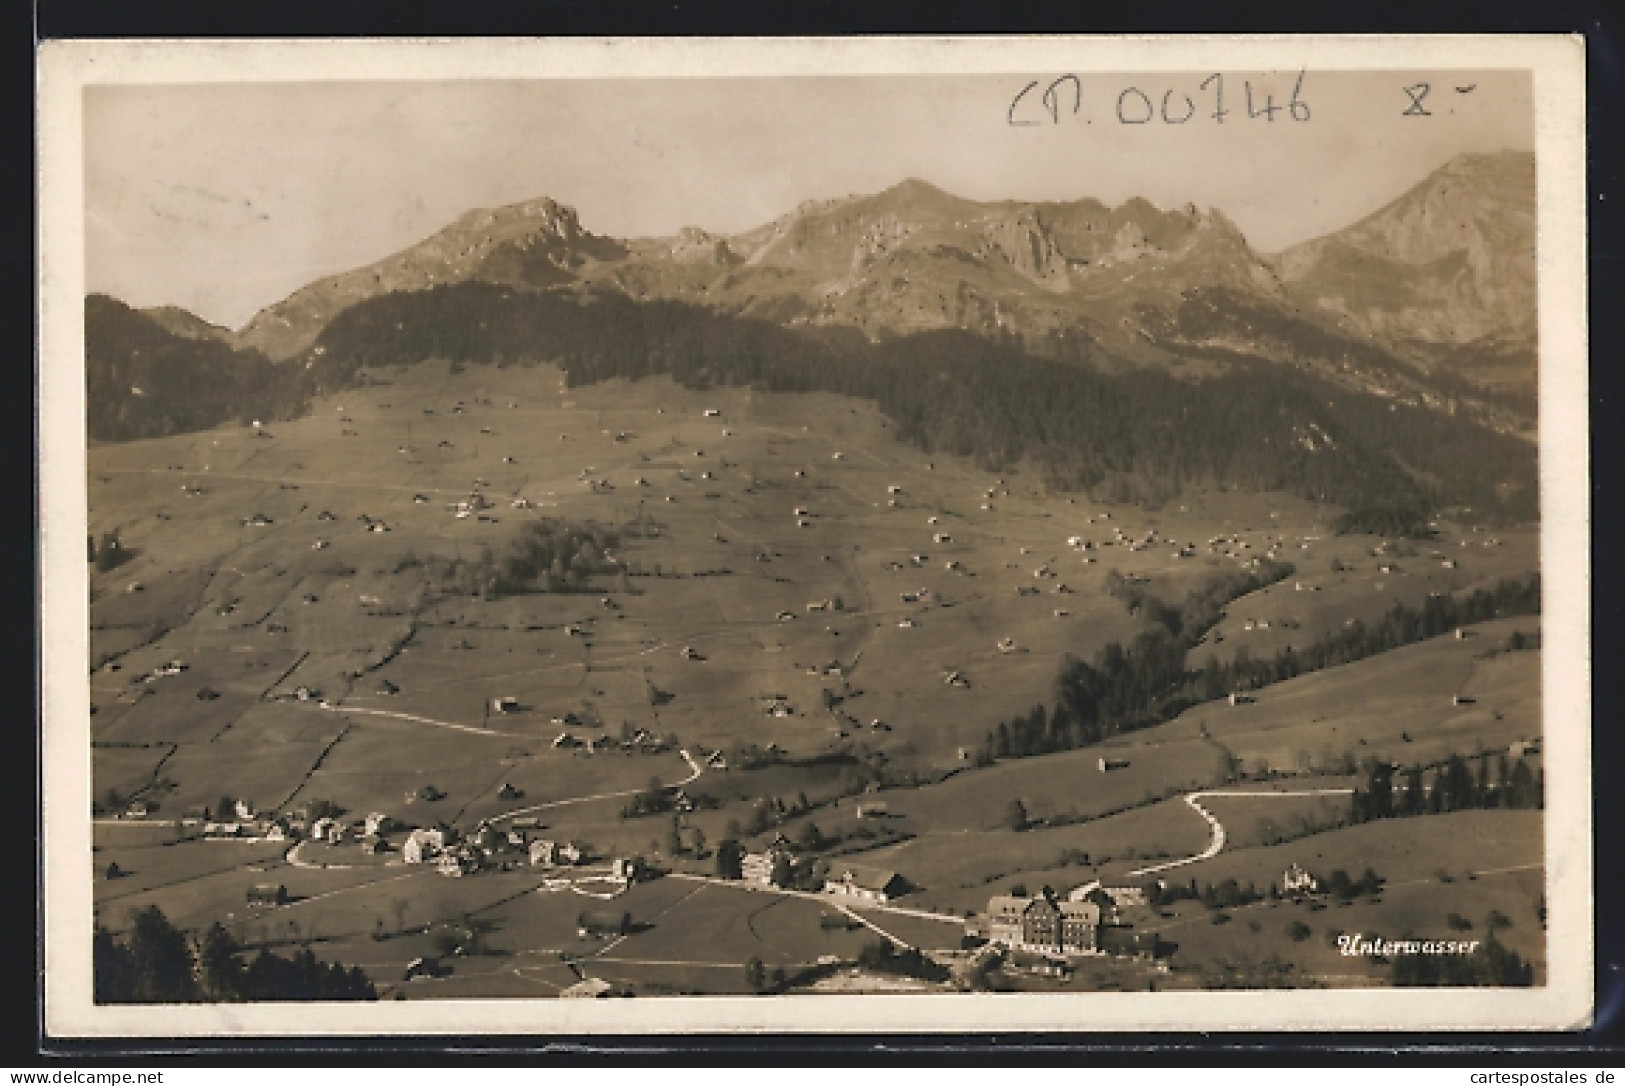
{"x":759,"y":866}
{"x":627,"y":870}
{"x":456,"y":863}
{"x":421,"y":845}
{"x":544,"y":853}
{"x":1125,"y":895}
{"x":1044,"y":924}
{"x":266,"y":893}
{"x":1039,"y":965}
{"x":1298,"y":881}
{"x":865,"y":883}
{"x":591,"y":988}
{"x":376,"y":823}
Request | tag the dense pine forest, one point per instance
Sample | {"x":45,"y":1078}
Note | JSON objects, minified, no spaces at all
{"x":1148,"y":682}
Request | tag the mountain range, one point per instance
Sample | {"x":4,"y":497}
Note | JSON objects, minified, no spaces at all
{"x":1441,"y":279}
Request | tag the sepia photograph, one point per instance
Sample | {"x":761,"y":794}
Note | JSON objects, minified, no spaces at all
{"x":1035,"y":533}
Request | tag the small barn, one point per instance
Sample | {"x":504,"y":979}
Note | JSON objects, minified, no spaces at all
{"x":266,"y":893}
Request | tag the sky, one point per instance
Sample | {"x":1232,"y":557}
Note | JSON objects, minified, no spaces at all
{"x":225,"y":198}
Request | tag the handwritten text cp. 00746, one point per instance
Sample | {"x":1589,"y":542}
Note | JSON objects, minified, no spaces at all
{"x":1062,"y":98}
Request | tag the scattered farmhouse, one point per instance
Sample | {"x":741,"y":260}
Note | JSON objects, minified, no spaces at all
{"x":1298,"y":881}
{"x":422,"y":845}
{"x":871,"y":884}
{"x":775,"y":865}
{"x":267,"y":893}
{"x":627,"y":870}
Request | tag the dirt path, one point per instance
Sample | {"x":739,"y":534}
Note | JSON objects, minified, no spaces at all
{"x":1216,"y":843}
{"x":695,"y":771}
{"x":821,"y":898}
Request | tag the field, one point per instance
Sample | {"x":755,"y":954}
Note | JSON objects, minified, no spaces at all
{"x":1469,"y":864}
{"x":299,"y":623}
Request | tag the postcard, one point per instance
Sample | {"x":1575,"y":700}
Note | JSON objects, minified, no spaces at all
{"x":906,"y":534}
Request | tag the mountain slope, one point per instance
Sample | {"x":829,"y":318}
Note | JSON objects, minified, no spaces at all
{"x":185,"y":323}
{"x":1136,"y":433}
{"x":538,"y":243}
{"x":915,"y":258}
{"x":142,"y":379}
{"x":1448,"y":265}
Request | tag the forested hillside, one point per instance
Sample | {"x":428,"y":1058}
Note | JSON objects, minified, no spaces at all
{"x":144,"y":380}
{"x":1125,"y":434}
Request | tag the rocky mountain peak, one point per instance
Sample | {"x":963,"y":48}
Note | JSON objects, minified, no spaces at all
{"x":1452,"y":260}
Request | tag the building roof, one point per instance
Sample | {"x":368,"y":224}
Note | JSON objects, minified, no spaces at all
{"x":869,"y":878}
{"x":591,"y":988}
{"x":1006,"y":907}
{"x":1086,"y":911}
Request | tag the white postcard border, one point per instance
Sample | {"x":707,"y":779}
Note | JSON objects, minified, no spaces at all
{"x":1558,"y":67}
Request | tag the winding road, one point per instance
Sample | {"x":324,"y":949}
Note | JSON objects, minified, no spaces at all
{"x":1216,"y":843}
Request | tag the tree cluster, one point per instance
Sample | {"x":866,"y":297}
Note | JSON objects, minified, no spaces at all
{"x":157,"y":963}
{"x":1493,"y":965}
{"x":1228,"y":894}
{"x":1453,"y":786}
{"x":883,"y":957}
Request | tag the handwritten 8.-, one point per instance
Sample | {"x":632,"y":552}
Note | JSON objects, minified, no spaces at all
{"x":1063,"y":97}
